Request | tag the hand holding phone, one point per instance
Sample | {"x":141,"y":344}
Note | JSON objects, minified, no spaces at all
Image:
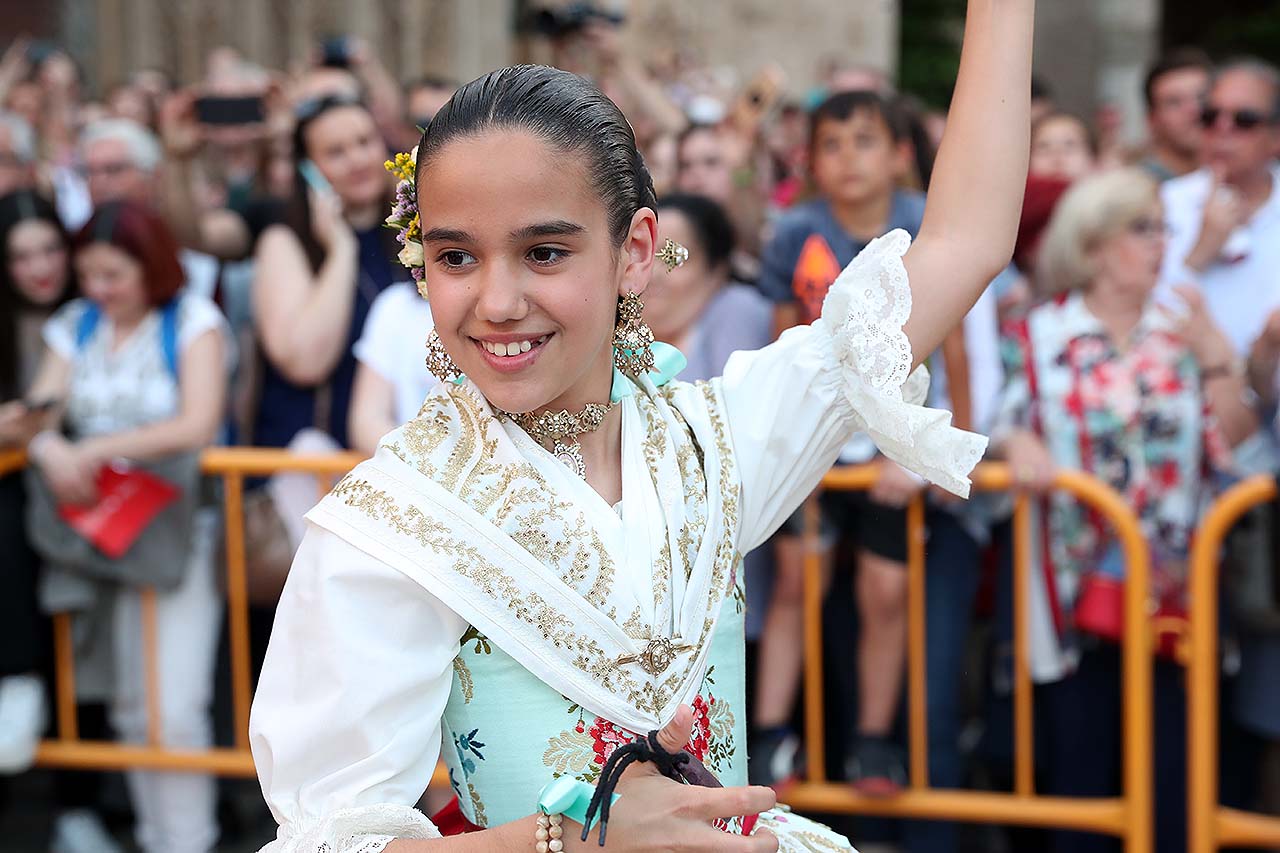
{"x":327,"y":221}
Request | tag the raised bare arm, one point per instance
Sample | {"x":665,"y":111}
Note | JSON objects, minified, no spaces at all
{"x":975,"y":195}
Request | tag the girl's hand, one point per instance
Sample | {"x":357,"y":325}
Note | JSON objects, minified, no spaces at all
{"x":1029,"y":460}
{"x":654,"y":813}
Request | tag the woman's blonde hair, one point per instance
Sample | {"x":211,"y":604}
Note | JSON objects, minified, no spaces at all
{"x":1094,"y":209}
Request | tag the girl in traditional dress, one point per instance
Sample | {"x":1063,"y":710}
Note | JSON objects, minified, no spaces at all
{"x":544,"y":563}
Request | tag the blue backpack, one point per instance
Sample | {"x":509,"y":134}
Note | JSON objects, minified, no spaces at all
{"x":168,"y":331}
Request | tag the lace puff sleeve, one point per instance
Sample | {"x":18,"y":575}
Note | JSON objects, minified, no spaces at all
{"x":793,"y":404}
{"x":345,"y":728}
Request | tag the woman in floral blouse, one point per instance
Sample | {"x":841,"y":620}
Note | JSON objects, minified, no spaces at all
{"x":1146,"y":397}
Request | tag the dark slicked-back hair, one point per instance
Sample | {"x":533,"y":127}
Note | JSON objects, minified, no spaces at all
{"x":566,"y":111}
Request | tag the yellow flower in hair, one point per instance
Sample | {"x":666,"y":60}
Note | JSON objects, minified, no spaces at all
{"x":403,"y":166}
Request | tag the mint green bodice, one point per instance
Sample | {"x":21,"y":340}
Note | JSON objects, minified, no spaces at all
{"x":506,"y":734}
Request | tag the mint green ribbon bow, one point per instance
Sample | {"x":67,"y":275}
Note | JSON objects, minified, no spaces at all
{"x":668,"y":361}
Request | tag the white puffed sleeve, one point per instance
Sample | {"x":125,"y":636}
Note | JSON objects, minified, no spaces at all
{"x":345,"y":728}
{"x":792,"y":405}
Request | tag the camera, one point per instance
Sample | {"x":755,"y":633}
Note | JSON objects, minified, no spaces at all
{"x":562,"y":21}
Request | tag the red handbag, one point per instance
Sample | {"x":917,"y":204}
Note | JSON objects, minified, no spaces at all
{"x":1100,"y":612}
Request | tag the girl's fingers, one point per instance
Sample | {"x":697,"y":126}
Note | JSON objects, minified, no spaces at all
{"x":707,"y":804}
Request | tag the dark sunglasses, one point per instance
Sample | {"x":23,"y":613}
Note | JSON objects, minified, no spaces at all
{"x":1240,"y":119}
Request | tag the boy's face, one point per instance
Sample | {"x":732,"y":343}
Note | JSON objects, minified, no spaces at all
{"x":856,"y":160}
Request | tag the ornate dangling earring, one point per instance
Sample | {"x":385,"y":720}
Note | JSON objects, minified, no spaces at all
{"x":439,"y":361}
{"x":632,"y":338}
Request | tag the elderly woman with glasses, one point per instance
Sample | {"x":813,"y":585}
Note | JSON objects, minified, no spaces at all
{"x":1146,"y":397}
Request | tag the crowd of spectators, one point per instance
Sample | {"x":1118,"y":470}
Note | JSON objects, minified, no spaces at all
{"x":188,"y":266}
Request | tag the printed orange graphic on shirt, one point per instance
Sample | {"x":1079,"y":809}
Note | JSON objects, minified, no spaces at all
{"x":814,"y":274}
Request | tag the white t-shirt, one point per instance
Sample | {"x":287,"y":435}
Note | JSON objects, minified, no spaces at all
{"x":393,"y":345}
{"x":1239,"y":292}
{"x":132,"y":386}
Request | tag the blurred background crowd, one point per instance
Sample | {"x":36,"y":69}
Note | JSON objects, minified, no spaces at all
{"x":192,"y":254}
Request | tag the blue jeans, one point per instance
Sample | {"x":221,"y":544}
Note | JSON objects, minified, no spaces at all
{"x":953,"y":568}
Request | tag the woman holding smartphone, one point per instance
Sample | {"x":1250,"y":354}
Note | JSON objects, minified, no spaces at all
{"x":318,"y":272}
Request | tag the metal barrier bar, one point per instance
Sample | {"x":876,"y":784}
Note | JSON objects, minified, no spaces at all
{"x":1023,"y":720}
{"x":237,"y":605}
{"x":65,"y":678}
{"x":1211,"y":826}
{"x":814,"y":702}
{"x":1129,"y":817}
{"x":917,"y":701}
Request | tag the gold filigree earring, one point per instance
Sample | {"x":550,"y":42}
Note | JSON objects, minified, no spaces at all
{"x":440,"y":363}
{"x":632,"y":338}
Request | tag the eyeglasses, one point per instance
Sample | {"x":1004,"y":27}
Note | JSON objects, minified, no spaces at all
{"x":1146,"y":227}
{"x":1240,"y":119}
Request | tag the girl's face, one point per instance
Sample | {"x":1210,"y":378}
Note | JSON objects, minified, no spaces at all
{"x":37,"y":261}
{"x":1130,"y":259}
{"x":676,"y":298}
{"x":345,"y":146}
{"x":113,"y":280}
{"x":522,"y":274}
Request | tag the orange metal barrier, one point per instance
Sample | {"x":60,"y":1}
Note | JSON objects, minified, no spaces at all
{"x":1211,"y":826}
{"x":1128,"y":816}
{"x":232,"y":465}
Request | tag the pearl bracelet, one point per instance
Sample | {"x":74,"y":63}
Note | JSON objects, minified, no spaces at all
{"x":549,"y":833}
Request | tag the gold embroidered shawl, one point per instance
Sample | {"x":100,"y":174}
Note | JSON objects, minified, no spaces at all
{"x":614,"y":612}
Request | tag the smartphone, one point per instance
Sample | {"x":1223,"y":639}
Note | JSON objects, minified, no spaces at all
{"x":229,"y":111}
{"x":335,"y":52}
{"x":311,"y":174}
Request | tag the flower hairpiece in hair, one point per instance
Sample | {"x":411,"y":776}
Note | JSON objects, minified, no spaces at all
{"x":404,"y":217}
